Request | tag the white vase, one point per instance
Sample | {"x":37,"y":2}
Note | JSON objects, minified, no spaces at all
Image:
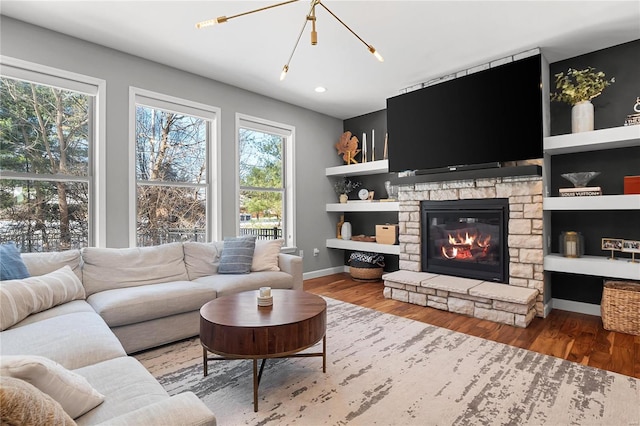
{"x":346,"y":231}
{"x":582,"y":117}
{"x":343,"y":198}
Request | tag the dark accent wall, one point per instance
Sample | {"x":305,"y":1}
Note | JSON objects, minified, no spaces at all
{"x":616,"y":101}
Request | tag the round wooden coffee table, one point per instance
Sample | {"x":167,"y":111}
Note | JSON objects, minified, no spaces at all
{"x":235,"y":327}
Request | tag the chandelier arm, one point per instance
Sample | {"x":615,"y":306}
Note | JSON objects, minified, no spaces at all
{"x":345,"y":25}
{"x":261,"y":9}
{"x":313,"y":5}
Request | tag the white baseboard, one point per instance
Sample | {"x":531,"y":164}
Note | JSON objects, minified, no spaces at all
{"x":580,"y":307}
{"x":324,"y":272}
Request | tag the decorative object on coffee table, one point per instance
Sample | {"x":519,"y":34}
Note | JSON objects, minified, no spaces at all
{"x":347,"y":146}
{"x":613,"y":244}
{"x":577,"y":88}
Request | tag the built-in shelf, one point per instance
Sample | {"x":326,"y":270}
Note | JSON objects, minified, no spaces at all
{"x":363,"y":246}
{"x":373,"y":206}
{"x":597,"y":266}
{"x":360,"y":169}
{"x":601,"y":202}
{"x":616,"y":137}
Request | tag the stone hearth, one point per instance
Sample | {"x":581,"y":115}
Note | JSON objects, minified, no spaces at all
{"x":525,"y":242}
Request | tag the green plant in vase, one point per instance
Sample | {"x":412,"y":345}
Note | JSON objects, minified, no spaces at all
{"x":343,"y":187}
{"x":577,"y":88}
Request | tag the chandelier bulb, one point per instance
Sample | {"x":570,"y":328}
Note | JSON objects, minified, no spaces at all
{"x":211,"y":22}
{"x":283,"y":74}
{"x":376,"y":53}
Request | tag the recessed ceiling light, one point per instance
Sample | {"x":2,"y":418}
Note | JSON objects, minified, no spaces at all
{"x":320,"y":89}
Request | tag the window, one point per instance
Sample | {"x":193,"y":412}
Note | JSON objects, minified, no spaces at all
{"x":173,"y":146}
{"x":47,"y":128}
{"x":265,"y":169}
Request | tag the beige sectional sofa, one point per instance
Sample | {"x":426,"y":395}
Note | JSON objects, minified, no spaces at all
{"x":108,"y":303}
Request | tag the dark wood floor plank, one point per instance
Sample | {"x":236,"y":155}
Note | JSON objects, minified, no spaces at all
{"x":572,"y":336}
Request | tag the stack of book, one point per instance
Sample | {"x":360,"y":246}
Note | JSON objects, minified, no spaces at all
{"x":580,"y":192}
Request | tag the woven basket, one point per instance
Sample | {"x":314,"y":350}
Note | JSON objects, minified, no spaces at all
{"x":620,"y":307}
{"x":366,"y":274}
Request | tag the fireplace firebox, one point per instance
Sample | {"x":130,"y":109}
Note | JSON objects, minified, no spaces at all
{"x":466,"y":238}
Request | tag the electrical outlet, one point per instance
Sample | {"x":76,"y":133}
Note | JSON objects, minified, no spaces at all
{"x":301,"y":253}
{"x":316,"y":252}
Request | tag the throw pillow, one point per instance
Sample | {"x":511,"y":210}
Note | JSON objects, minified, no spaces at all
{"x":265,"y":256}
{"x":11,"y":265}
{"x":237,"y":255}
{"x":23,"y":404}
{"x":72,"y":391}
{"x":21,"y":298}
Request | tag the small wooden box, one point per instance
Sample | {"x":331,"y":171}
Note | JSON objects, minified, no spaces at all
{"x":632,"y":184}
{"x":387,"y":234}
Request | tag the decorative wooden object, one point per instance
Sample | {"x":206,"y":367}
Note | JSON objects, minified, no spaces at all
{"x":347,"y":146}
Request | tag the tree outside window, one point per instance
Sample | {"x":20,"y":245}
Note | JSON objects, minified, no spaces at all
{"x":171,"y":174}
{"x":262,"y":189}
{"x":45,"y":144}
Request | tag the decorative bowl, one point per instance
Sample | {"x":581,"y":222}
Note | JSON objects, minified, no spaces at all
{"x":580,"y":179}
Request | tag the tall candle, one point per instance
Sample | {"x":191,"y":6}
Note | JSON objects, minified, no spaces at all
{"x":373,"y":144}
{"x":364,"y":147}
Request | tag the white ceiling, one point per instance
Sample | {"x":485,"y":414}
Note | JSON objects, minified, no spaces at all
{"x":420,"y":40}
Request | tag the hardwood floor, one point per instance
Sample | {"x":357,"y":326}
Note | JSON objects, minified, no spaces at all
{"x":575,"y":337}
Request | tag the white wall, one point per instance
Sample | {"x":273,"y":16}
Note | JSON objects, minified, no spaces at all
{"x":315,"y":133}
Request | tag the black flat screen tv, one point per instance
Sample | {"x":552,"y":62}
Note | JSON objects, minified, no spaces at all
{"x":488,"y":117}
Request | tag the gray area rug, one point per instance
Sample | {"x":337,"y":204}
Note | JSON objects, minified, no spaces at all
{"x":388,"y":370}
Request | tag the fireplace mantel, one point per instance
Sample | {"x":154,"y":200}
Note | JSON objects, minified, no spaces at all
{"x":528,"y":170}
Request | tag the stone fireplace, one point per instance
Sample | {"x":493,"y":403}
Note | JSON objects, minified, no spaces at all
{"x":522,"y":250}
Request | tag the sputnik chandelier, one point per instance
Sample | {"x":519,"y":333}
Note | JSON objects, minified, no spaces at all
{"x":311,"y":16}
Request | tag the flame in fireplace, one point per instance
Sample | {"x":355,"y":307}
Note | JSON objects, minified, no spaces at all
{"x":465,"y":247}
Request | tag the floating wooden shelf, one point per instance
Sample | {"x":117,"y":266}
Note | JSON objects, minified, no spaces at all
{"x":362,"y":246}
{"x":373,"y":206}
{"x":616,"y":137}
{"x":600,"y":202}
{"x":360,"y":169}
{"x":593,"y":265}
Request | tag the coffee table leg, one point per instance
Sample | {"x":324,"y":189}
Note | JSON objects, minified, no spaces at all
{"x":324,"y":354}
{"x":255,"y":385}
{"x":204,"y":360}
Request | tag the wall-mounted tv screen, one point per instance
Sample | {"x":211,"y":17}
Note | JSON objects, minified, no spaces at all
{"x":491,"y":116}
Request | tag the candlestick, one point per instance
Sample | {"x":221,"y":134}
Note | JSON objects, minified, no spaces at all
{"x":373,"y":144}
{"x":265,"y":291}
{"x":364,"y":147}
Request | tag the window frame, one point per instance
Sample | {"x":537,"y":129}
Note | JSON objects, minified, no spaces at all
{"x":96,"y":174}
{"x":288,"y":133}
{"x":211,"y":114}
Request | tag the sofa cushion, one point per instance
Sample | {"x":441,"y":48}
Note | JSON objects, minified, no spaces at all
{"x":231,"y":284}
{"x":136,"y":304}
{"x":201,"y":259}
{"x":24,"y":404}
{"x":20,"y":298}
{"x":72,"y":391}
{"x":11,"y":266}
{"x":43,"y":263}
{"x":107,"y":269}
{"x":73,"y":340}
{"x":265,"y":256}
{"x":65,"y":308}
{"x":237,"y":255}
{"x":126,"y":385}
